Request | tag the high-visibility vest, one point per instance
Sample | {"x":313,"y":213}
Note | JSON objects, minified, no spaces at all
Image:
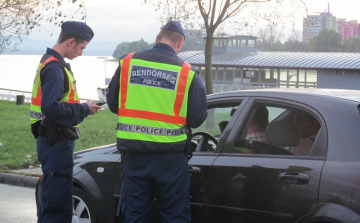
{"x":243,"y":150}
{"x":153,"y":100}
{"x":71,"y":96}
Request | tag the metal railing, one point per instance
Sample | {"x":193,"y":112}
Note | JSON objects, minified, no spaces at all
{"x":12,"y":94}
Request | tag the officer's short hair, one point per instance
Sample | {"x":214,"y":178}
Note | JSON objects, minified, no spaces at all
{"x":65,"y":36}
{"x":173,"y":36}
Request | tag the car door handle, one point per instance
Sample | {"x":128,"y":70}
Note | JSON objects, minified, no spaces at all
{"x":194,"y":170}
{"x":294,"y":178}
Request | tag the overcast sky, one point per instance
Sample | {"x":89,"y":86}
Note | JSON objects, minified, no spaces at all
{"x":125,"y":20}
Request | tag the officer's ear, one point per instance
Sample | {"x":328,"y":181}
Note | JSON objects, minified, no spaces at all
{"x":157,"y":40}
{"x":177,"y":46}
{"x":180,"y":43}
{"x":71,"y":42}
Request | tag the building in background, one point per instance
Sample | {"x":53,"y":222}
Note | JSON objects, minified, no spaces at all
{"x":237,"y":64}
{"x":313,"y":24}
{"x":348,"y":29}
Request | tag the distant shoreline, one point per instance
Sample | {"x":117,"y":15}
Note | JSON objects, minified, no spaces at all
{"x":41,"y":52}
{"x":38,"y":47}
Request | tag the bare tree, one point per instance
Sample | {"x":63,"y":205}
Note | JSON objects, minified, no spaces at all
{"x":294,"y":42}
{"x":235,"y":13}
{"x":18,"y":18}
{"x":296,"y":36}
{"x":269,"y":36}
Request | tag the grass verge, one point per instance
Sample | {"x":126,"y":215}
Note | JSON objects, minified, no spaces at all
{"x":18,"y":146}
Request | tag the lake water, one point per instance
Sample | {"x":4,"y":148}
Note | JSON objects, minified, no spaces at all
{"x":17,"y":72}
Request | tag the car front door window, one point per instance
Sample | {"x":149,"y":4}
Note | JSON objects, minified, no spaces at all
{"x":219,"y":116}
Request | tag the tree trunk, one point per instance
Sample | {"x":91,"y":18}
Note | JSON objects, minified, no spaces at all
{"x":208,"y":76}
{"x":208,"y":62}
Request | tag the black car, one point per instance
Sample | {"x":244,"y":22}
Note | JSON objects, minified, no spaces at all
{"x":234,"y":179}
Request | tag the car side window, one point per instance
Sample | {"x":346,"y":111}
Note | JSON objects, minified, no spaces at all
{"x":217,"y":120}
{"x":309,"y":128}
{"x":219,"y":115}
{"x":277,"y":130}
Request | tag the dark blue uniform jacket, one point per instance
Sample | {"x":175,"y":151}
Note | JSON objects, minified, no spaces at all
{"x":197,"y":104}
{"x":53,"y":87}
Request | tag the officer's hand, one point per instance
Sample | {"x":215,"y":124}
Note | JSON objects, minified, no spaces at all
{"x":93,"y":108}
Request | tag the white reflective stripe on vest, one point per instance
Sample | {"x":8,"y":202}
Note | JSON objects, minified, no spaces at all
{"x":150,"y":130}
{"x":36,"y":115}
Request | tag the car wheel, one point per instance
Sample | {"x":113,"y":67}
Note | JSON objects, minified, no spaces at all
{"x":82,"y":209}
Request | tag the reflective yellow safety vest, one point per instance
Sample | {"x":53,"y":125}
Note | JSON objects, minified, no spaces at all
{"x":153,"y":100}
{"x":71,"y":96}
{"x":243,"y":150}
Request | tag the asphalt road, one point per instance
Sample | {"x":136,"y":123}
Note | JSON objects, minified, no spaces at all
{"x":17,"y":204}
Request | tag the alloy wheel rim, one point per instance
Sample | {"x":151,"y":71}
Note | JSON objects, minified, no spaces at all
{"x":81,"y":213}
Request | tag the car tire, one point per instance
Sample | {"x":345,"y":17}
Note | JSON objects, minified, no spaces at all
{"x":83,"y":210}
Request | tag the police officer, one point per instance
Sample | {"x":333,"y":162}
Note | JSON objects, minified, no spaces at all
{"x":156,"y":94}
{"x":55,"y":114}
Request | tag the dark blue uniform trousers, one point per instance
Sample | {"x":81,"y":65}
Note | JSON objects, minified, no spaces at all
{"x":57,"y":165}
{"x":165,"y":176}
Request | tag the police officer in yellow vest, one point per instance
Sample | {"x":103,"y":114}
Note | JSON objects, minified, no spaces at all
{"x":55,"y":114}
{"x":155,"y":95}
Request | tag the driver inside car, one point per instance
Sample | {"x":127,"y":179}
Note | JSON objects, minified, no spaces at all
{"x":256,"y":129}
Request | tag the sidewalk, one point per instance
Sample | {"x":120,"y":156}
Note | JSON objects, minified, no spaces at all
{"x":22,"y":177}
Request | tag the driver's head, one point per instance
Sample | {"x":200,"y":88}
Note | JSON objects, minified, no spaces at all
{"x":259,"y":121}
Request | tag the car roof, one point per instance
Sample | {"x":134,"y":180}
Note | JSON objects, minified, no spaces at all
{"x":353,"y":95}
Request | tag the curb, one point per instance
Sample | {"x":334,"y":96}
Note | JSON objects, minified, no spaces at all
{"x":18,"y":180}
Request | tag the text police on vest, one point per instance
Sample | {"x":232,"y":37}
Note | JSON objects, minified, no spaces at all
{"x":155,"y":73}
